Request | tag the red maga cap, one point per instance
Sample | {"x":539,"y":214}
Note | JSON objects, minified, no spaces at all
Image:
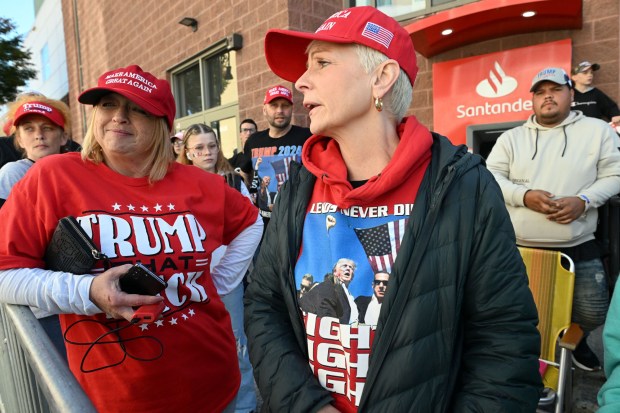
{"x":39,"y":108}
{"x":276,"y":92}
{"x":285,"y":50}
{"x":7,"y":127}
{"x":142,"y":88}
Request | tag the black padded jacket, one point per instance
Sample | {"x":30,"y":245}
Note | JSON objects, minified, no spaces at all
{"x":457,"y":330}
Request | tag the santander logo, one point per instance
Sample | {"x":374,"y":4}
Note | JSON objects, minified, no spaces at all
{"x":498,"y":84}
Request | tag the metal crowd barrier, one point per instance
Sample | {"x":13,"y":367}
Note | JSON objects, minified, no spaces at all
{"x":33,"y":376}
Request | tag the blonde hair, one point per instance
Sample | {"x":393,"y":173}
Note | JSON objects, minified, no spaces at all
{"x":158,"y":161}
{"x":221,"y":165}
{"x":59,"y":105}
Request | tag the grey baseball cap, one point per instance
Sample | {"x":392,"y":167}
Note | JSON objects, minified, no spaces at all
{"x":551,"y":74}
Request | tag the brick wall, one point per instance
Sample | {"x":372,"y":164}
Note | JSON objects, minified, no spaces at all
{"x":115,"y":33}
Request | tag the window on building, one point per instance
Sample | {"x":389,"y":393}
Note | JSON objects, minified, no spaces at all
{"x":45,"y":63}
{"x":205,"y":91}
{"x":406,"y":9}
{"x":187,"y":87}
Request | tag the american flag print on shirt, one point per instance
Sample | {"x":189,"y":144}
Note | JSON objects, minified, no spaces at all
{"x":378,"y":34}
{"x":382,"y":243}
{"x":281,"y":168}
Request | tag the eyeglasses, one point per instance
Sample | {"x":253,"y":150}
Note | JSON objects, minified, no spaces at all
{"x":247,"y":130}
{"x":177,"y":142}
{"x":378,"y":282}
{"x":200,"y":150}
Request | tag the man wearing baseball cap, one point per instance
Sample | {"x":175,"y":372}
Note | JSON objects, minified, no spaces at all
{"x":269,"y":152}
{"x":588,"y":99}
{"x":554,"y":172}
{"x":378,"y":189}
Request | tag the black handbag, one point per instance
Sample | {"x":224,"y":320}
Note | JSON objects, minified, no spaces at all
{"x":72,"y":250}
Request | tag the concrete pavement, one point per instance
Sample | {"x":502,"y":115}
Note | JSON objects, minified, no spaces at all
{"x":587,"y":384}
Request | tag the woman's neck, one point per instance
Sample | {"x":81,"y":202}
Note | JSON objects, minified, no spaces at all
{"x":363,"y":154}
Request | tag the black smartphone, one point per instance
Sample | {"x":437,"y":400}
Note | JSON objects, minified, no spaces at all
{"x":140,"y":280}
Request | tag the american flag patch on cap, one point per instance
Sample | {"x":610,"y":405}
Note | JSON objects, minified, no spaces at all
{"x":378,"y":34}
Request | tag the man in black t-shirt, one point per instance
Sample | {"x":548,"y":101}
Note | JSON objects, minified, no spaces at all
{"x":269,"y":152}
{"x":590,"y":100}
{"x":247,"y":128}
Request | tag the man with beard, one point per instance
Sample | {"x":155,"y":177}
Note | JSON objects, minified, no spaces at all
{"x":554,"y":172}
{"x":276,"y":146}
{"x":332,"y":298}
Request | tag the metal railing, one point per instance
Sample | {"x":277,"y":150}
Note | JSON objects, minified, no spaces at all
{"x":33,"y":376}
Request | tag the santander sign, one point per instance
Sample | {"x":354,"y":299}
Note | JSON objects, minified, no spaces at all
{"x":497,"y":84}
{"x":492,"y":88}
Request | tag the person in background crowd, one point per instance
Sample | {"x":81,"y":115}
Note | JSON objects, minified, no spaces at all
{"x":554,"y":172}
{"x":42,"y":127}
{"x":177,"y":143}
{"x":590,"y":100}
{"x":458,"y":309}
{"x":247,"y":128}
{"x":137,"y":205}
{"x":8,"y":151}
{"x":276,"y":146}
{"x":228,"y":266}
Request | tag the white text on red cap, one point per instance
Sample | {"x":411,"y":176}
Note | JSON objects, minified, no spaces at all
{"x":126,"y":78}
{"x":36,"y":107}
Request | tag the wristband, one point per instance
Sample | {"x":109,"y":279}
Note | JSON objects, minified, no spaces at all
{"x":584,"y":199}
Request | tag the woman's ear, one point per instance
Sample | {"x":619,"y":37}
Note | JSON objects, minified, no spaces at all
{"x":386,"y":75}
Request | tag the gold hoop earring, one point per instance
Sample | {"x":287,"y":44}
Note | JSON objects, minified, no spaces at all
{"x":379,"y":104}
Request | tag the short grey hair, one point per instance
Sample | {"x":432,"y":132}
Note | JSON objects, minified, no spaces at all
{"x":398,"y":99}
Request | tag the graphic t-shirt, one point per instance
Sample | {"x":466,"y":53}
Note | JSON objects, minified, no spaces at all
{"x":276,"y":156}
{"x":595,"y":104}
{"x":349,"y":236}
{"x":171,"y":226}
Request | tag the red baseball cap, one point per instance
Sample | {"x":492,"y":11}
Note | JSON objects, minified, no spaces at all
{"x":39,"y":108}
{"x":285,"y":50}
{"x":7,"y":127}
{"x":142,"y":88}
{"x":278,"y":91}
